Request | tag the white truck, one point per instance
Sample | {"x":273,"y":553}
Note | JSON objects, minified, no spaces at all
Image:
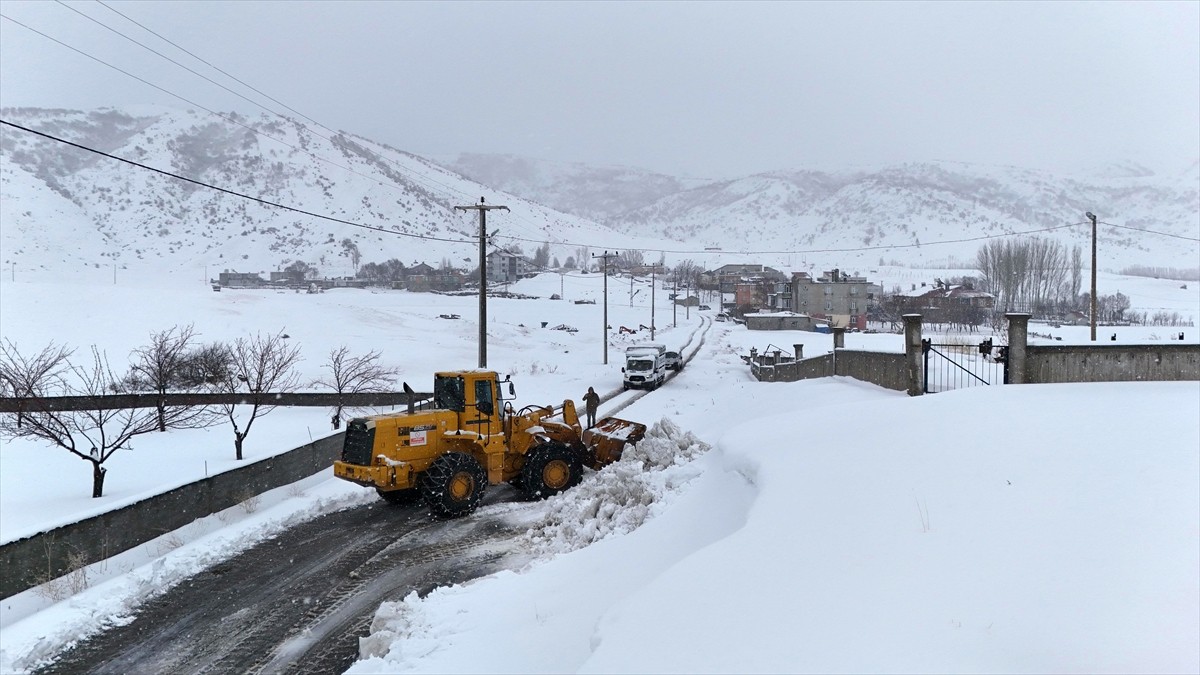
{"x":645,"y":366}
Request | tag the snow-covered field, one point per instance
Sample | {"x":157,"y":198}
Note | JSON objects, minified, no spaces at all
{"x":818,"y":526}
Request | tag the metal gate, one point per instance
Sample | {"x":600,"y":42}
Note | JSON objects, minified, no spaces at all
{"x":955,"y":366}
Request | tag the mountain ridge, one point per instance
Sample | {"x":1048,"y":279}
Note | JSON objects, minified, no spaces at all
{"x":63,"y":207}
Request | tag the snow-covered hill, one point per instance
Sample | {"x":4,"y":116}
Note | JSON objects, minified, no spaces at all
{"x":860,"y":212}
{"x":65,"y":207}
{"x":601,"y":193}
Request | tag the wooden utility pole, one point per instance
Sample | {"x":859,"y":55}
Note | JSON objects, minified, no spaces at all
{"x":652,"y":284}
{"x":1092,"y":217}
{"x":605,"y":257}
{"x":675,"y":301}
{"x":482,"y":209}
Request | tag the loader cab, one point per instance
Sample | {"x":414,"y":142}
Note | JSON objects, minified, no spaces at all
{"x":477,"y":396}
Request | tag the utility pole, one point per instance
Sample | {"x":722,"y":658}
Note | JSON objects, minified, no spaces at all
{"x":652,"y":284}
{"x":482,"y":209}
{"x":1092,"y":217}
{"x":675,"y":302}
{"x":605,"y":257}
{"x":631,"y":288}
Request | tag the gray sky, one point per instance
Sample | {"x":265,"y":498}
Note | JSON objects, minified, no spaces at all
{"x":705,"y":89}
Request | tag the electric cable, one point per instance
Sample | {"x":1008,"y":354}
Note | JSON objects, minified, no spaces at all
{"x":1138,"y":229}
{"x":229,"y":119}
{"x":231,"y":192}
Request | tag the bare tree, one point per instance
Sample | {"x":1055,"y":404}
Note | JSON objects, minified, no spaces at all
{"x":260,"y":366}
{"x":207,"y":366}
{"x":163,"y":366}
{"x":355,"y":375}
{"x":32,"y":376}
{"x":630,"y":258}
{"x":92,"y":435}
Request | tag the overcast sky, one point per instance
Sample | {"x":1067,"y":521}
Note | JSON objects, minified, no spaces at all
{"x":704,"y":89}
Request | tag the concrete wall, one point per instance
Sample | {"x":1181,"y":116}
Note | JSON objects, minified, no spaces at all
{"x":1111,"y":363}
{"x":791,"y":371}
{"x":881,"y":368}
{"x":26,"y":562}
{"x":777,"y":321}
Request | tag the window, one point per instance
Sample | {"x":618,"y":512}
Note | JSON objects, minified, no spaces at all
{"x":483,"y":397}
{"x":449,"y":394}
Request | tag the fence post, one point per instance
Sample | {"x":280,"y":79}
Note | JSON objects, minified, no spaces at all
{"x":1018,"y":338}
{"x":912,"y":353}
{"x":839,"y":338}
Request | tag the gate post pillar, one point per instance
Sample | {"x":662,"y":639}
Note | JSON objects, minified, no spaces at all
{"x":912,"y":354}
{"x":839,"y":338}
{"x":1018,"y":339}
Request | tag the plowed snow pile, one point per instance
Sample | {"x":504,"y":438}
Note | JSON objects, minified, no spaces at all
{"x":623,"y":495}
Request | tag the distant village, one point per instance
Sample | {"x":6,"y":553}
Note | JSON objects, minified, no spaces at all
{"x":759,"y":296}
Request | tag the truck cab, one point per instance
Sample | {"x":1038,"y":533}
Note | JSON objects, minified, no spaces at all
{"x":645,"y":366}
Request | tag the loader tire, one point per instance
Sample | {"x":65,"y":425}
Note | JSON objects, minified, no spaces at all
{"x":453,"y":485}
{"x":550,"y":469}
{"x":399,"y":497}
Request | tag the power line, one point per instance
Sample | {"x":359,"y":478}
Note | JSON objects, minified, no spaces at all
{"x":1138,"y":229}
{"x":227,"y":118}
{"x":230,"y":192}
{"x":210,"y":65}
{"x":412,"y":175}
{"x":828,"y":250}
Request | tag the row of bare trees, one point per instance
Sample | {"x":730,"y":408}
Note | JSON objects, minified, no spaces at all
{"x":1035,"y":275}
{"x":254,"y":368}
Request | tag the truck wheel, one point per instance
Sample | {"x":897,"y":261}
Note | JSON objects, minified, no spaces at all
{"x":399,"y":497}
{"x":453,"y":485}
{"x":549,"y":470}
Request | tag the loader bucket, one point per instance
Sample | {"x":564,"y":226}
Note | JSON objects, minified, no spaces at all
{"x":608,"y":439}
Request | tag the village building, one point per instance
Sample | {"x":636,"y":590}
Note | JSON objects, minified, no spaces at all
{"x":838,"y":297}
{"x":504,"y":267}
{"x":947,"y":303}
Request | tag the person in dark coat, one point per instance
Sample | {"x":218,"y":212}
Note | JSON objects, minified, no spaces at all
{"x":591,"y":401}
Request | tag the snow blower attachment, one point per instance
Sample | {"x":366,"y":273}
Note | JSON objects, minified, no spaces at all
{"x":472,"y":438}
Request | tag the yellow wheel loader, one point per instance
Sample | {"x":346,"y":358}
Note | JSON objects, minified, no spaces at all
{"x":471,"y":438}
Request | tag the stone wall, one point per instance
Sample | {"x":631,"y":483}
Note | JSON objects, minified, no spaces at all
{"x":791,"y":371}
{"x":27,"y":562}
{"x":1111,"y":363}
{"x":882,"y":368}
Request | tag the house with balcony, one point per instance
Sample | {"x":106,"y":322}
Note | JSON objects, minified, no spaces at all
{"x":504,"y":267}
{"x":841,"y":299}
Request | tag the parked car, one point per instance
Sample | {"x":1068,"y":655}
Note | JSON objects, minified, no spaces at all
{"x":674,"y":360}
{"x":705,"y":307}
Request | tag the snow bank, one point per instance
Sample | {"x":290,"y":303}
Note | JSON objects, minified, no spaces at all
{"x":623,"y":495}
{"x":35,"y":629}
{"x":541,"y":619}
